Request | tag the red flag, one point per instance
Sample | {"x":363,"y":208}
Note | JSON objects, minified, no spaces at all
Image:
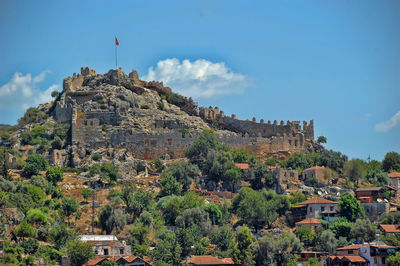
{"x":116,"y":41}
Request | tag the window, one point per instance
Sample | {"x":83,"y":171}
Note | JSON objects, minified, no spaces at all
{"x":331,"y":208}
{"x":383,"y":260}
{"x":322,"y":208}
{"x":121,"y":251}
{"x":310,"y":209}
{"x":106,"y":251}
{"x":350,"y":252}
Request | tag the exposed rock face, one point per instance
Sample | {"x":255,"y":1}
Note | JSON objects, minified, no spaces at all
{"x":120,"y":111}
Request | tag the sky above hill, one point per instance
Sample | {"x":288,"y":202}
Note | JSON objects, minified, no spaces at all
{"x":337,"y":62}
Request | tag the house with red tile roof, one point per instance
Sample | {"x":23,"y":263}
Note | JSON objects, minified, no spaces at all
{"x":124,"y":261}
{"x":390,"y":229}
{"x":313,"y":208}
{"x":309,"y":222}
{"x":315,"y":171}
{"x":208,"y":260}
{"x":373,"y":254}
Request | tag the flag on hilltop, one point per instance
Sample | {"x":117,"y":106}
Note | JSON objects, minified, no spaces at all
{"x":116,"y":41}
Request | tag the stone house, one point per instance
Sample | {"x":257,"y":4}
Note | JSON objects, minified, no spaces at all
{"x":107,"y":245}
{"x":373,"y":254}
{"x":315,"y":171}
{"x":395,"y":182}
{"x":313,"y":208}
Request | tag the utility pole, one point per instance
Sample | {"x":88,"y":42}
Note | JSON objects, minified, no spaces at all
{"x":93,"y":200}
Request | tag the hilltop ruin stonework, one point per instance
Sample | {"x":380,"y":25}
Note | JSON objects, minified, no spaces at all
{"x":121,"y":111}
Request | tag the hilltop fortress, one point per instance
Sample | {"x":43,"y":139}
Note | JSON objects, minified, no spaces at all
{"x":149,"y":120}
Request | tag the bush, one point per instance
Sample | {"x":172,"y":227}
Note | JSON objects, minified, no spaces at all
{"x":57,"y":143}
{"x":34,"y":164}
{"x":97,"y":156}
{"x":32,"y":115}
{"x":175,"y":99}
{"x":160,"y":105}
{"x":144,"y":106}
{"x":54,"y":174}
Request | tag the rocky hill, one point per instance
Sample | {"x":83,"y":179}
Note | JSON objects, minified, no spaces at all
{"x":120,"y":118}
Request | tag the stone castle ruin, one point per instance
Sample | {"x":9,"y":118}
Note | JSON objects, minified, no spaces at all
{"x":122,"y":111}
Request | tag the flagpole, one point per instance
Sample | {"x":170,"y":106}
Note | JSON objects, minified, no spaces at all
{"x":116,"y":67}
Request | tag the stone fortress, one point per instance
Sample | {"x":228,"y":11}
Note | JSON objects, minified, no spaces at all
{"x":121,"y":111}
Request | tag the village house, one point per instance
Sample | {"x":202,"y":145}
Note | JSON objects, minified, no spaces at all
{"x":124,"y":261}
{"x":395,"y":182}
{"x":309,"y":222}
{"x":315,"y":171}
{"x":313,"y":208}
{"x":389,"y":229}
{"x":304,"y":256}
{"x":372,"y":254}
{"x":208,"y":260}
{"x":370,"y":194}
{"x":107,"y":245}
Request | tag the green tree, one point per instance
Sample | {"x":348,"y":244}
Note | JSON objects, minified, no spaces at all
{"x":32,"y":115}
{"x":87,"y":193}
{"x":354,"y":170}
{"x":350,"y":208}
{"x":57,"y":143}
{"x":59,"y":235}
{"x":168,"y":249}
{"x":297,"y":198}
{"x":377,"y":178}
{"x":328,"y":242}
{"x":390,"y":218}
{"x":34,"y":164}
{"x":69,"y":207}
{"x":321,"y":139}
{"x":394,"y":260}
{"x":54,"y":174}
{"x":341,"y":227}
{"x":79,"y":252}
{"x":244,"y":239}
{"x":198,"y":150}
{"x":332,"y":159}
{"x":24,"y":230}
{"x":391,"y":162}
{"x":194,"y":217}
{"x":363,"y":230}
{"x":305,"y":235}
{"x":214,"y":213}
{"x":313,"y":262}
{"x":222,"y":237}
{"x":240,"y":156}
{"x":30,"y":246}
{"x":169,"y":186}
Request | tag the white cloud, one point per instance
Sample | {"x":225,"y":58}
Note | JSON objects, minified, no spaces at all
{"x":198,"y":79}
{"x":21,"y":91}
{"x":389,"y":124}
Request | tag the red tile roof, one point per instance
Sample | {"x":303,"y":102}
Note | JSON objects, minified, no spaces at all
{"x":369,"y":189}
{"x":394,"y":175}
{"x":315,"y":200}
{"x":382,"y":246}
{"x":351,"y":258}
{"x":309,"y":221}
{"x":390,"y":228}
{"x":242,"y":166}
{"x":355,"y":258}
{"x":357,"y":246}
{"x":208,"y":260}
{"x":95,"y":261}
{"x":314,"y":168}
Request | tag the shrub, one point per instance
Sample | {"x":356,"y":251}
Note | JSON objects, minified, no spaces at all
{"x":160,"y":105}
{"x":144,"y":106}
{"x":34,"y":164}
{"x":54,"y":174}
{"x":97,"y":156}
{"x":175,"y":99}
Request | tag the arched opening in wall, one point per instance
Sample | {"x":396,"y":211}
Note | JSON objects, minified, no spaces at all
{"x":91,"y":123}
{"x":85,"y":122}
{"x":295,"y":143}
{"x":290,"y":142}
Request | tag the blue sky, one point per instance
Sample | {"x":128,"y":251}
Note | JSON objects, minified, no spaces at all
{"x":337,"y":62}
